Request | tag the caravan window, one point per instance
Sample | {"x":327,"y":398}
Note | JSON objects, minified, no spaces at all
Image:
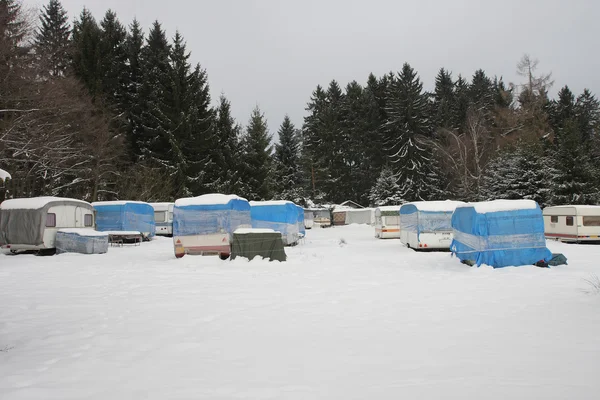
{"x":88,"y":220}
{"x":569,"y":221}
{"x":159,"y":216}
{"x":554,"y":219}
{"x":50,"y":220}
{"x":591,"y":221}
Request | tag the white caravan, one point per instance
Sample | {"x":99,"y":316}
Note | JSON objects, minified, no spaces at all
{"x":31,"y":224}
{"x":163,"y":218}
{"x":573,"y":223}
{"x":387,"y":222}
{"x":427,"y":224}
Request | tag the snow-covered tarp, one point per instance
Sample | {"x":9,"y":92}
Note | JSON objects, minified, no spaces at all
{"x":210,"y":213}
{"x":23,"y":221}
{"x":82,"y":241}
{"x":428,"y":216}
{"x":499,"y":233}
{"x":360,"y":216}
{"x":281,"y":216}
{"x":125,"y":216}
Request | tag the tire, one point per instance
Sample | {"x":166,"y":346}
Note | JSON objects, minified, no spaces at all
{"x":223,"y":256}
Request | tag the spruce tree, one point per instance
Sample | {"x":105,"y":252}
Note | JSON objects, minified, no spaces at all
{"x":133,"y":102}
{"x":52,"y":39}
{"x":86,"y":52}
{"x":481,"y":92}
{"x":443,"y":99}
{"x":408,"y":130}
{"x":256,"y":144}
{"x":386,"y":190}
{"x":587,"y":113}
{"x":287,"y":170}
{"x":228,"y":157}
{"x":113,"y":61}
{"x":200,"y":147}
{"x":461,"y":105}
{"x":312,"y":153}
{"x":154,"y":139}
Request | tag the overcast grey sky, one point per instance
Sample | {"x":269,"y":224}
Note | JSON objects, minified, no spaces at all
{"x":274,"y":53}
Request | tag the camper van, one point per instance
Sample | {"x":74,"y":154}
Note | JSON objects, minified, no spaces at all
{"x":427,"y":225}
{"x":387,"y":222}
{"x":163,"y":218}
{"x":204,"y":225}
{"x":32,"y":224}
{"x":574,"y":223}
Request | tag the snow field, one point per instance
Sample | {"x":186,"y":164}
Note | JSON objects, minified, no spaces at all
{"x":363,"y":319}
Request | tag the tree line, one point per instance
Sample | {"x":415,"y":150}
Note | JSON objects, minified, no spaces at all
{"x":99,"y":110}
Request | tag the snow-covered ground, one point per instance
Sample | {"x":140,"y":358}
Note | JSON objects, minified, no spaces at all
{"x":365,"y":319}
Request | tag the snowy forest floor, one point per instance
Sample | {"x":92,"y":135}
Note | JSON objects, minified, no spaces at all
{"x":365,"y":319}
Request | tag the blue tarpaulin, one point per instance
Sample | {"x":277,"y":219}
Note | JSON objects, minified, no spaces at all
{"x":508,"y":237}
{"x":281,"y":216}
{"x":125,"y":216}
{"x":192,"y":218}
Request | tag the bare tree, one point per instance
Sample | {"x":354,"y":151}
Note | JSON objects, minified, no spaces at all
{"x":466,"y":154}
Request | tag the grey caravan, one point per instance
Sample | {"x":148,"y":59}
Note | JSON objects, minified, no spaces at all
{"x":32,"y":224}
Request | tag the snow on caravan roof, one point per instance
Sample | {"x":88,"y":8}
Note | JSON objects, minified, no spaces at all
{"x":439,"y":205}
{"x":35,"y":203}
{"x":4,"y":175}
{"x":389,"y":208}
{"x":501,"y":205}
{"x":116,"y":203}
{"x":270,"y":203}
{"x":207,"y":199}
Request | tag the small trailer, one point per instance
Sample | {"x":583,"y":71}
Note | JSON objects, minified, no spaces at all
{"x":280,"y":215}
{"x":427,"y":225}
{"x":387,"y":222}
{"x":204,"y":225}
{"x":114,"y":216}
{"x":163,"y":218}
{"x":572,"y":223}
{"x":32,"y":224}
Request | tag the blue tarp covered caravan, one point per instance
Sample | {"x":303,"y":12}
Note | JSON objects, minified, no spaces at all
{"x":125,"y":216}
{"x":281,"y":216}
{"x":210,"y":213}
{"x":500,"y":233}
{"x":427,"y":224}
{"x":427,"y":216}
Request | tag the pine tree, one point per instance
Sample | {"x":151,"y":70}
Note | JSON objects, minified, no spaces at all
{"x":386,"y":190}
{"x":113,"y":61}
{"x":312,"y":158}
{"x":52,"y":39}
{"x":256,"y":144}
{"x":461,"y":105}
{"x":481,"y":92}
{"x":287,"y":163}
{"x":86,"y":52}
{"x":407,"y":131}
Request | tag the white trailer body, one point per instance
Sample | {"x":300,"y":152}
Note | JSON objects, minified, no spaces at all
{"x":572,"y":223}
{"x":427,"y":224}
{"x":387,"y":222}
{"x":163,"y":218}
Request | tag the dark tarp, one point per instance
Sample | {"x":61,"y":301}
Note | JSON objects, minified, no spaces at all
{"x":265,"y":244}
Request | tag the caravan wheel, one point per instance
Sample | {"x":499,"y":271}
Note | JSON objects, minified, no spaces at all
{"x":223,"y":256}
